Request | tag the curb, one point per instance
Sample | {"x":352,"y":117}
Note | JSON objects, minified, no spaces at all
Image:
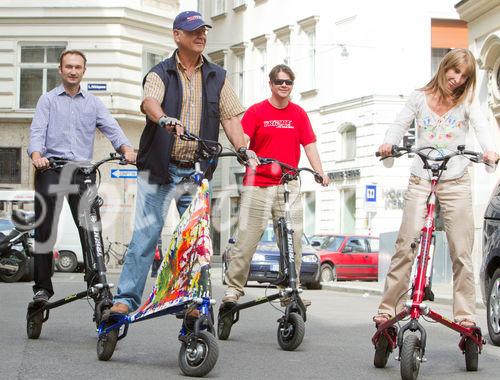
{"x":445,"y":300}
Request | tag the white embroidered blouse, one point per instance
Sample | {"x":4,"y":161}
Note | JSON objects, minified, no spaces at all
{"x":444,"y":132}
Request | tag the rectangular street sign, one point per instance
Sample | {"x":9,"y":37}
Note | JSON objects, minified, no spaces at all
{"x":96,"y":87}
{"x":123,"y":173}
{"x":370,"y":198}
{"x":371,"y":193}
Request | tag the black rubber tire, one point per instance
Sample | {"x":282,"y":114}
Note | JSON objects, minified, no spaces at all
{"x":106,"y":345}
{"x":382,"y":352}
{"x":15,"y":276}
{"x":493,"y":308}
{"x":471,"y":355}
{"x":34,"y":325}
{"x":410,"y":352}
{"x":200,"y":362}
{"x":291,"y":332}
{"x":327,"y":273}
{"x":224,"y":325}
{"x":67,"y":261}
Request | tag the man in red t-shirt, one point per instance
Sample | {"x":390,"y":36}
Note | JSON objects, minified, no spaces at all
{"x":275,"y":128}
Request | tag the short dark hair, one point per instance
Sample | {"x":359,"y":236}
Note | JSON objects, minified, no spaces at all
{"x":273,"y":74}
{"x":77,"y":52}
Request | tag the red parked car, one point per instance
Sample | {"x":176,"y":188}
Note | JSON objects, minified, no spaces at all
{"x":347,"y":257}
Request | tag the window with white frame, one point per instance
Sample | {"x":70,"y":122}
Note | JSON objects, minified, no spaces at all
{"x":218,"y":57}
{"x":149,"y":60}
{"x":218,"y":7}
{"x":286,"y":49}
{"x":308,"y":26}
{"x":238,"y":3}
{"x":348,"y":140}
{"x":38,"y":72}
{"x":240,"y":76}
{"x":283,"y":36}
{"x":262,"y":73}
{"x":311,"y":58}
{"x":10,"y":165}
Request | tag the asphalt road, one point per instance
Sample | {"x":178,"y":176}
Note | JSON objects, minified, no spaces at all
{"x":336,"y":345}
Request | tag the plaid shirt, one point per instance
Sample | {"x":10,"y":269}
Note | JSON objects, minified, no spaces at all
{"x":191,"y":109}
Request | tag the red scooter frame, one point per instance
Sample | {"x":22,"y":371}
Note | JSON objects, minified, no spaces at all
{"x":412,"y":349}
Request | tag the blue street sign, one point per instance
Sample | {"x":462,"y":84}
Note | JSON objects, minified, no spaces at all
{"x":371,"y":193}
{"x":123,"y":173}
{"x":96,"y":86}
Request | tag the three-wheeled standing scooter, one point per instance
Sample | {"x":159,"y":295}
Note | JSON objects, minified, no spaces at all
{"x":98,"y":287}
{"x":291,"y":326}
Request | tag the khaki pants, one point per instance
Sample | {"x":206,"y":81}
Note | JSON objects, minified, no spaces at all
{"x":456,"y":205}
{"x":257,"y":206}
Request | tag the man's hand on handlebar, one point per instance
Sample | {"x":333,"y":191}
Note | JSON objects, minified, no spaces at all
{"x":128,"y":154}
{"x":325,"y":180}
{"x":248,"y":157}
{"x":171,"y":124}
{"x":39,"y":162}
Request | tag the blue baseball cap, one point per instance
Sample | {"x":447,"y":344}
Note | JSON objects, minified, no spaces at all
{"x":189,"y":21}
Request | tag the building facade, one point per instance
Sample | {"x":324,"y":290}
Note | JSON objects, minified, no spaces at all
{"x":483,"y":20}
{"x":122,"y":39}
{"x":356,"y":63}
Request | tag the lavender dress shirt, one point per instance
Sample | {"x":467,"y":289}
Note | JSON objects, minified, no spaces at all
{"x":65,"y":126}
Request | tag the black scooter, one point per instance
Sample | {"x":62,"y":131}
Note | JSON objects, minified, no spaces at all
{"x":14,"y":247}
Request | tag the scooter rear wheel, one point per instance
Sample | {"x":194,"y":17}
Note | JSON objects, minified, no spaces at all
{"x":471,"y":352}
{"x":34,"y":325}
{"x":382,"y":352}
{"x":198,"y":357}
{"x":410,"y":357}
{"x":106,"y":344}
{"x":291,"y":332}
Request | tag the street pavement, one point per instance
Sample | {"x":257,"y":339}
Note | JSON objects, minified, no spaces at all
{"x":337,"y":343}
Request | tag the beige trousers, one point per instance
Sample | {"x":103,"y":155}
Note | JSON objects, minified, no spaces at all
{"x":257,"y":206}
{"x":456,"y":205}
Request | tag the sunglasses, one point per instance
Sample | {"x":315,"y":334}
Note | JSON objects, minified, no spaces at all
{"x":279,"y":82}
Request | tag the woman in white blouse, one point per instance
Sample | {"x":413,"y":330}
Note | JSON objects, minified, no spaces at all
{"x":443,"y":110}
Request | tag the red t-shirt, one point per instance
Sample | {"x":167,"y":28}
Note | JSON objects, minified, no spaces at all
{"x":275,"y":133}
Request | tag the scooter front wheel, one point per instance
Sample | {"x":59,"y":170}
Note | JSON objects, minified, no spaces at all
{"x":471,"y":351}
{"x":411,"y":353}
{"x":106,"y":344}
{"x":291,"y":332}
{"x":198,"y":355}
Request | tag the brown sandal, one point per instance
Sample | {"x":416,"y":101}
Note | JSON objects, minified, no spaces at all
{"x":381,"y":318}
{"x":467,"y":323}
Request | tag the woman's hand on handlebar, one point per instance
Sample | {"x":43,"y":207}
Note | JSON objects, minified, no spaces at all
{"x":39,"y":162}
{"x":490,"y":157}
{"x":385,"y":150}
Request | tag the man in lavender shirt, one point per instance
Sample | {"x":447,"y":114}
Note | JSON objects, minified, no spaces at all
{"x":64,"y":127}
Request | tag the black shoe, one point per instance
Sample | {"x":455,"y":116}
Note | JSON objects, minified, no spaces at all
{"x":41,"y":296}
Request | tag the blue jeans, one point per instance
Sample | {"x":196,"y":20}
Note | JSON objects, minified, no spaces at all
{"x":152,"y":206}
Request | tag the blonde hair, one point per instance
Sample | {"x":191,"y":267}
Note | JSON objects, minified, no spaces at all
{"x":439,"y":85}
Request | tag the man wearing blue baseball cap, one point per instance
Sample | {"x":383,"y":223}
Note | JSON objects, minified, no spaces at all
{"x":185,"y":92}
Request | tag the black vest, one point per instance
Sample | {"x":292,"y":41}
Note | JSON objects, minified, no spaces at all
{"x":155,"y":146}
